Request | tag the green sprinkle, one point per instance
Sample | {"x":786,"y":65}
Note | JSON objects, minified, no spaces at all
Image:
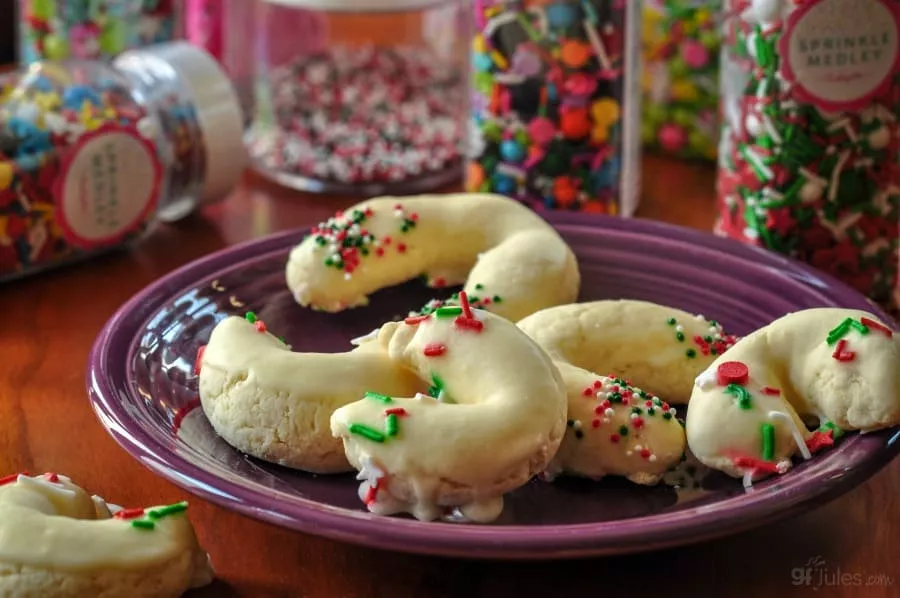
{"x":447,"y":312}
{"x":615,"y":397}
{"x":839,"y":331}
{"x":742,"y":395}
{"x":497,"y":299}
{"x":768,"y":442}
{"x":378,"y":397}
{"x":570,"y":422}
{"x":391,"y":424}
{"x":637,"y":410}
{"x":859,"y":327}
{"x":651,"y":411}
{"x":251,"y":317}
{"x":667,"y":415}
{"x":172,"y":509}
{"x":623,"y":430}
{"x":366,"y":432}
{"x":708,"y":339}
{"x":479,"y":287}
{"x":437,"y":386}
{"x":680,"y":337}
{"x":142,"y":524}
{"x":836,"y":432}
{"x":671,"y":321}
{"x":690,"y":353}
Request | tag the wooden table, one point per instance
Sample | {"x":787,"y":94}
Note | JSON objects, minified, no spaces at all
{"x":46,"y":423}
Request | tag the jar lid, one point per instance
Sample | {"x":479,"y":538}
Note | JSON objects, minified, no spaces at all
{"x":218,"y":110}
{"x":358,"y":5}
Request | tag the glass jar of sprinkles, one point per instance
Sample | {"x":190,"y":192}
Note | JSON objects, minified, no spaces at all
{"x":808,"y":158}
{"x":92,"y":29}
{"x":359,"y":96}
{"x":555,"y":103}
{"x":92,"y":155}
{"x":681,"y":42}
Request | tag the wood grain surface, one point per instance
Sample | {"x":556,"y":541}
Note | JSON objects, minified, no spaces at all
{"x":50,"y":320}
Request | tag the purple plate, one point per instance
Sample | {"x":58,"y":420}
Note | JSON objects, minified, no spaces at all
{"x":141,"y":382}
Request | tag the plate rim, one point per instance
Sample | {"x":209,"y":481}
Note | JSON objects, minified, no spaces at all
{"x":544,"y":542}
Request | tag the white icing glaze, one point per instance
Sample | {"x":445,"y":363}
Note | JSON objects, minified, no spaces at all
{"x":791,"y":355}
{"x":495,"y":241}
{"x":505,"y":426}
{"x":55,"y":531}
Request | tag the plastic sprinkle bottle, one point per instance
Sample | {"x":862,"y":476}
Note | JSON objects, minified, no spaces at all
{"x":92,"y":29}
{"x":92,"y":155}
{"x":555,"y":103}
{"x":808,"y":158}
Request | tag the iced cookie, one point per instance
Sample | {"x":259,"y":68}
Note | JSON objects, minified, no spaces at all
{"x":494,"y":417}
{"x":838,"y":366}
{"x":58,"y":541}
{"x":275,"y":404}
{"x":496,"y":246}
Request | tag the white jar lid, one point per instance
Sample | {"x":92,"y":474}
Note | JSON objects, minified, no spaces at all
{"x":359,"y":5}
{"x":218,"y":109}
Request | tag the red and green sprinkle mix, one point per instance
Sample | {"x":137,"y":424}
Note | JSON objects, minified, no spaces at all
{"x":148,"y":517}
{"x":715,"y":342}
{"x":475,"y":301}
{"x":392,"y":417}
{"x":346,"y":240}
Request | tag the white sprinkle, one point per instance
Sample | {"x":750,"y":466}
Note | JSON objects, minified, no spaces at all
{"x":836,"y":175}
{"x":601,"y":395}
{"x":652,"y":458}
{"x":795,"y":432}
{"x":634,"y":416}
{"x":748,"y":479}
{"x":628,"y":453}
{"x":577,"y":424}
{"x":679,"y":328}
{"x":609,"y":412}
{"x":706,"y":380}
{"x":638,"y":447}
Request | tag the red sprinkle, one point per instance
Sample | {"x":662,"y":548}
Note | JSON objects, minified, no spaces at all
{"x":597,"y":384}
{"x":638,"y":422}
{"x":464,"y":303}
{"x":129,"y":514}
{"x":755,"y":464}
{"x":439,"y":282}
{"x":372,"y":493}
{"x":599,"y":409}
{"x":434,"y":349}
{"x":880,"y":327}
{"x":732,"y":372}
{"x":615,"y":438}
{"x":396,"y":411}
{"x":840,"y":352}
{"x":401,"y":247}
{"x":819,"y":440}
{"x":199,"y":359}
{"x":180,"y":414}
{"x":595,"y":423}
{"x":52,"y":477}
{"x":379,"y":251}
{"x":772,"y":392}
{"x":645,"y":453}
{"x":260,"y":326}
{"x":588,"y":392}
{"x":470,"y":323}
{"x":414,"y":320}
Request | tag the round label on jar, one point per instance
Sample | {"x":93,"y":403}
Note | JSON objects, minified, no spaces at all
{"x":108,"y":184}
{"x":841,"y":53}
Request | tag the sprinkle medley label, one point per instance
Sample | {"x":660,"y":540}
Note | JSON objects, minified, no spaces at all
{"x":841,"y":53}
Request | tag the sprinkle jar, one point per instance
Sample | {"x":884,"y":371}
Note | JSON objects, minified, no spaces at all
{"x":92,"y":154}
{"x":359,"y":97}
{"x":88,"y":29}
{"x":808,"y":161}
{"x":555,"y":103}
{"x":681,"y":42}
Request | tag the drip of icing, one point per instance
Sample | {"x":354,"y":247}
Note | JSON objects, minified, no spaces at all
{"x":479,"y":511}
{"x":365,"y":338}
{"x":748,"y":480}
{"x":795,"y":432}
